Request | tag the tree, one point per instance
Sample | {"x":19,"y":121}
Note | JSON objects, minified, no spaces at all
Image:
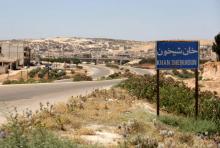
{"x":216,"y":46}
{"x":76,"y":61}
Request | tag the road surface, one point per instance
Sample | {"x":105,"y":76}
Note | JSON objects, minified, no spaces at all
{"x":30,"y":95}
{"x":140,"y":71}
{"x":95,"y":71}
{"x":98,"y":71}
{"x":50,"y":90}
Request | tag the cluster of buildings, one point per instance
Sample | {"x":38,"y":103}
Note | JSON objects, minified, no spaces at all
{"x":88,"y":48}
{"x":14,"y":55}
{"x":17,"y":54}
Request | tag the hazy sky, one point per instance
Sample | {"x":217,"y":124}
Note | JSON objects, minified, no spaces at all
{"x":122,"y":19}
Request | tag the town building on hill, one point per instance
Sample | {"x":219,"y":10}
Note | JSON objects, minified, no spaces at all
{"x":14,"y":55}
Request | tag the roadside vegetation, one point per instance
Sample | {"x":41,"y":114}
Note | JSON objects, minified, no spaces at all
{"x":39,"y":137}
{"x":54,"y":74}
{"x":63,"y":60}
{"x":82,"y":77}
{"x":190,"y":124}
{"x":118,"y":75}
{"x":104,"y":118}
{"x":112,"y":65}
{"x":147,"y":61}
{"x":216,"y":46}
{"x":176,"y":97}
{"x":39,"y":75}
{"x":29,"y":81}
{"x":184,"y":74}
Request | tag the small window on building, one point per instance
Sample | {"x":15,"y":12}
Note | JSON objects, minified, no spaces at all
{"x":0,"y":50}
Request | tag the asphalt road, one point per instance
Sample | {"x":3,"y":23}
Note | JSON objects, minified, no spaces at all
{"x":51,"y":90}
{"x":141,"y":71}
{"x":95,"y":71}
{"x":98,"y":71}
{"x":29,"y":96}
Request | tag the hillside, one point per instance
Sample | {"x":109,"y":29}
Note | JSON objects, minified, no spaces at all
{"x":75,"y":46}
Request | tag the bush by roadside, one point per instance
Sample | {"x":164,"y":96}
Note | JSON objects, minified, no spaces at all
{"x":23,"y":134}
{"x":185,"y":74}
{"x":82,"y":77}
{"x":6,"y":82}
{"x":111,"y":111}
{"x":33,"y":72}
{"x":112,"y":65}
{"x":22,"y":81}
{"x":176,"y":97}
{"x":54,"y":74}
{"x":119,"y":75}
{"x":188,"y":124}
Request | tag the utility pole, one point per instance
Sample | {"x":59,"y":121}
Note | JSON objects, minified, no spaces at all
{"x":29,"y":58}
{"x":48,"y":46}
{"x":9,"y":46}
{"x":196,"y":93}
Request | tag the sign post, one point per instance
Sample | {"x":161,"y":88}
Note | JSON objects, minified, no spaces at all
{"x":177,"y":55}
{"x":158,"y":92}
{"x":196,"y":93}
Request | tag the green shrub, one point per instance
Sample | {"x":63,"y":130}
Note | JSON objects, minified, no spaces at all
{"x":44,"y":81}
{"x":33,"y":72}
{"x":20,"y":81}
{"x":56,"y":74}
{"x":81,"y":77}
{"x":175,"y":96}
{"x":6,"y":82}
{"x":147,"y":61}
{"x":119,"y":75}
{"x":62,"y":60}
{"x":185,"y":74}
{"x":53,"y":74}
{"x":115,"y":76}
{"x":112,"y":65}
{"x":190,"y":124}
{"x":42,"y":72}
{"x":31,"y":81}
{"x":35,"y":138}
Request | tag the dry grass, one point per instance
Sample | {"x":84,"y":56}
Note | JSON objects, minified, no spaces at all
{"x":113,"y":108}
{"x":85,"y":131}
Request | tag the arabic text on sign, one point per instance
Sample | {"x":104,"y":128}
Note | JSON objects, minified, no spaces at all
{"x":180,"y":51}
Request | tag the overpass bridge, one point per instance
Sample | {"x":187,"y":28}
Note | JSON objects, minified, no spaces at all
{"x":101,"y":60}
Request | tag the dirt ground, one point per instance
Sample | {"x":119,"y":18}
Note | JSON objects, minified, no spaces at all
{"x":205,"y":85}
{"x":14,"y":75}
{"x":210,"y":73}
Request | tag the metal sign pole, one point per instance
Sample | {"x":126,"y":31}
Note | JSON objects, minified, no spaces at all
{"x":158,"y":92}
{"x":196,"y":93}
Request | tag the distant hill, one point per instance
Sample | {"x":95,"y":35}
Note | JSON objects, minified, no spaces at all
{"x":85,"y":44}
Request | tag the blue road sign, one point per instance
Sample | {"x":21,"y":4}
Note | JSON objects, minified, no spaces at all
{"x":177,"y":55}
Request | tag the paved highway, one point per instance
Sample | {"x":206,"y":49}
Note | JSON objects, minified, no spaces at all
{"x":30,"y":95}
{"x":140,"y":71}
{"x":50,"y":90}
{"x":95,"y":71}
{"x":98,"y":71}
